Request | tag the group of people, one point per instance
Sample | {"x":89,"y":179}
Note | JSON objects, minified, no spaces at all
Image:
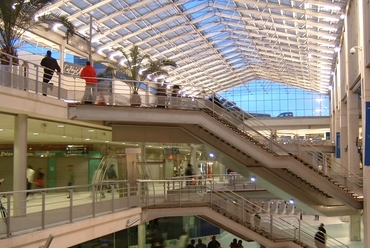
{"x":34,"y":178}
{"x":88,"y":73}
{"x":37,"y":178}
{"x":212,"y":244}
{"x":236,"y":244}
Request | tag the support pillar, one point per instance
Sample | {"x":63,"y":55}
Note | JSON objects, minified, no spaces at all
{"x":141,"y":235}
{"x":20,"y":164}
{"x":355,"y":227}
{"x":343,"y":139}
{"x":353,"y":132}
{"x":364,"y":7}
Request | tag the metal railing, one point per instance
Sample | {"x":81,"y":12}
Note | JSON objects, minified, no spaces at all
{"x":117,"y":92}
{"x":50,"y":207}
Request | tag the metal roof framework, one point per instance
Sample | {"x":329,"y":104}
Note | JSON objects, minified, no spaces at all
{"x":219,"y":44}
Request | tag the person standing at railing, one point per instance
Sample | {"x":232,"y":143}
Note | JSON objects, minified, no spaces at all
{"x":189,"y":173}
{"x":89,"y":74}
{"x":50,"y":66}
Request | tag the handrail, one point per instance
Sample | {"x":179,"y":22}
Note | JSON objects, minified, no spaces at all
{"x":164,"y":192}
{"x":341,"y":175}
{"x":71,"y":88}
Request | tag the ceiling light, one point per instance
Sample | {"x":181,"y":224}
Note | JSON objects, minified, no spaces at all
{"x":1,"y":129}
{"x":35,"y":133}
{"x":63,"y":136}
{"x":60,"y":125}
{"x":253,"y":179}
{"x":107,"y":141}
{"x":87,"y":139}
{"x":91,"y":130}
{"x":291,"y":201}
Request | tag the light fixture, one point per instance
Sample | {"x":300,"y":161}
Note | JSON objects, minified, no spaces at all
{"x":354,"y":48}
{"x":291,"y":201}
{"x":211,"y":155}
{"x":253,"y":179}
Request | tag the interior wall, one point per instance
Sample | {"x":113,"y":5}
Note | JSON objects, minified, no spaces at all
{"x":80,"y":169}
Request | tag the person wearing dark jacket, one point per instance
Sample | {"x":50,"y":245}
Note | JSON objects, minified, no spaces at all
{"x":214,"y":243}
{"x":320,"y":237}
{"x":50,"y":66}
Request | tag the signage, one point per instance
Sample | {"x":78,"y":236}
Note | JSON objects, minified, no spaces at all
{"x":73,"y":149}
{"x":71,"y":69}
{"x":173,"y":150}
{"x":366,"y":143}
{"x":337,"y":145}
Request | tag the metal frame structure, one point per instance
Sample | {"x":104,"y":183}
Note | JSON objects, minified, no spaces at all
{"x":219,"y":44}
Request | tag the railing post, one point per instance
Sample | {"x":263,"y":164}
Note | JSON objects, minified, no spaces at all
{"x":70,"y":205}
{"x":271,"y":225}
{"x":37,"y":80}
{"x":8,"y":217}
{"x":128,"y":195}
{"x":59,"y":84}
{"x":43,"y":210}
{"x":112,"y":190}
{"x":299,"y":231}
{"x":94,"y":200}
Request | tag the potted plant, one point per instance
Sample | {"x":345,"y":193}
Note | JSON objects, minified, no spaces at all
{"x":17,"y":17}
{"x":137,"y":68}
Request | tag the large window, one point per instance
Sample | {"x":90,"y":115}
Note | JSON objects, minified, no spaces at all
{"x":266,"y":97}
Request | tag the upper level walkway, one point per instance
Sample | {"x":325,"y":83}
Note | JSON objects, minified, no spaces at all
{"x":92,"y":212}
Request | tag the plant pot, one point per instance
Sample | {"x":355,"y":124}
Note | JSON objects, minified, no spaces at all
{"x":135,"y":100}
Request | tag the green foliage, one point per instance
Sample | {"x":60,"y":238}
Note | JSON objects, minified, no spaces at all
{"x":19,"y":16}
{"x":138,"y":66}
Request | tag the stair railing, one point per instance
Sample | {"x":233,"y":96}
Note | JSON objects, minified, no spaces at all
{"x":264,"y":137}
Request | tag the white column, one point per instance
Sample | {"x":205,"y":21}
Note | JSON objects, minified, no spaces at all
{"x":343,"y":138}
{"x":353,"y":132}
{"x":141,"y":235}
{"x":20,"y":163}
{"x":355,"y":227}
{"x":365,"y":91}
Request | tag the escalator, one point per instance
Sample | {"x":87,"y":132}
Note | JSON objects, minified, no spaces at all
{"x":285,"y":174}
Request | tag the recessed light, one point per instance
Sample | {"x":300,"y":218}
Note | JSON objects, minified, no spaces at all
{"x":1,"y":129}
{"x":63,"y":136}
{"x":35,"y":133}
{"x":60,"y":125}
{"x":106,"y":141}
{"x":87,"y":139}
{"x":91,"y":130}
{"x":123,"y":143}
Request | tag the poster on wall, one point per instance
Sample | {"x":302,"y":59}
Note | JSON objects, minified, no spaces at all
{"x":337,"y":145}
{"x":366,"y":144}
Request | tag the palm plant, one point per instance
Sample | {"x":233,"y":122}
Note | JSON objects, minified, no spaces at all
{"x":19,"y":16}
{"x":137,"y":68}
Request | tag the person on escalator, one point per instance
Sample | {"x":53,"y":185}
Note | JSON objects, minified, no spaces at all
{"x":320,"y":237}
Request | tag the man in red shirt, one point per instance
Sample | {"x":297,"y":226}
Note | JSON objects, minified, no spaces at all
{"x":89,"y":74}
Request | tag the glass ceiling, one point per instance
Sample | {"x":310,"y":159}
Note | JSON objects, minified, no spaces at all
{"x":219,"y":44}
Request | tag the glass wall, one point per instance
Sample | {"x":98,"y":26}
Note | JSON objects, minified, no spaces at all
{"x":266,"y":97}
